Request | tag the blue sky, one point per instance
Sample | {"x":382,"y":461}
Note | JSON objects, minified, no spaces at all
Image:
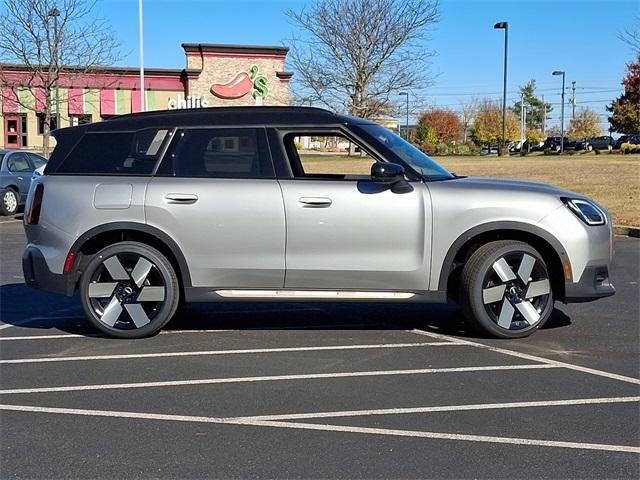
{"x":577,"y":36}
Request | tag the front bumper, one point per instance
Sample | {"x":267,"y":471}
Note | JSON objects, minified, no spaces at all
{"x":593,"y":284}
{"x":37,"y":274}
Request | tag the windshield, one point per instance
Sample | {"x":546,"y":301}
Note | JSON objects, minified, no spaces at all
{"x":409,"y":154}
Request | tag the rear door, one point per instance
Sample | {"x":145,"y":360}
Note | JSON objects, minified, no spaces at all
{"x":216,"y":195}
{"x":344,"y":231}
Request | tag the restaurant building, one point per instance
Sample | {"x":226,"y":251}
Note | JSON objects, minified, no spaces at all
{"x":215,"y":75}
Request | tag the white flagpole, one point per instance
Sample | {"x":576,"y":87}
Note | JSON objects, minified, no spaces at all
{"x":143,"y":96}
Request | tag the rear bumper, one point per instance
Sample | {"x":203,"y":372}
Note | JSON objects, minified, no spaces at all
{"x":593,"y":284}
{"x":37,"y":274}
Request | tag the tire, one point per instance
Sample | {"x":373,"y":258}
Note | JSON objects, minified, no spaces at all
{"x":10,"y":201}
{"x":113,"y":283}
{"x":494,"y":285}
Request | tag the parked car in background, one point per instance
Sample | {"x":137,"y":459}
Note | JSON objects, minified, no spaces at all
{"x":554,"y":144}
{"x":16,"y":171}
{"x":596,"y":143}
{"x":149,"y":210}
{"x":632,"y":139}
{"x":488,"y":150}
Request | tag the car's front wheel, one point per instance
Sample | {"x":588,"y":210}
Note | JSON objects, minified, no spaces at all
{"x":506,"y":289}
{"x":9,"y":202}
{"x":129,"y":290}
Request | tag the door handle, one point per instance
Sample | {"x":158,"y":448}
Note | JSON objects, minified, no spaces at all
{"x":180,"y":198}
{"x":315,"y":202}
{"x":19,"y":178}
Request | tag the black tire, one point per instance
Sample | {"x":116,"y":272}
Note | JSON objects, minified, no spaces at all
{"x":133,"y":296}
{"x":9,"y":203}
{"x":495,"y":297}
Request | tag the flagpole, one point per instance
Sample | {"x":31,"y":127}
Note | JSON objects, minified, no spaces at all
{"x":143,"y":96}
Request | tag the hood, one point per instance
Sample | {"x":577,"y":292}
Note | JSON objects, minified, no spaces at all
{"x":514,"y":185}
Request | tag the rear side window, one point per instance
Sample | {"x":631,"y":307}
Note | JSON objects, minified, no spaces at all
{"x":115,"y":153}
{"x":218,"y":153}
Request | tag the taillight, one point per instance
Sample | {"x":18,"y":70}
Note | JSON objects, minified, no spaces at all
{"x":32,"y":215}
{"x":68,"y":263}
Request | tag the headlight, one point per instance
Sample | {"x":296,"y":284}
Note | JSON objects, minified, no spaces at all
{"x":586,"y":211}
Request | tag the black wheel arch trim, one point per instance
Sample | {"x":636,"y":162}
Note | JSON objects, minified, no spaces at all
{"x":448,"y":263}
{"x":163,"y":237}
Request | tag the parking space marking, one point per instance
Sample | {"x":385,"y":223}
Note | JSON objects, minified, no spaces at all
{"x":323,"y":427}
{"x":270,"y":378}
{"x":533,"y":358}
{"x":248,"y":351}
{"x":445,"y":408}
{"x":97,"y":335}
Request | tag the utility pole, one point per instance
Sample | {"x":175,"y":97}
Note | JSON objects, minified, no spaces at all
{"x":544,"y":117}
{"x":562,"y":73}
{"x":573,"y":100}
{"x":143,"y":96}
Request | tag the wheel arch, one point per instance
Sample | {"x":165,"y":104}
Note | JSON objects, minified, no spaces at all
{"x":99,"y":237}
{"x":549,"y":247}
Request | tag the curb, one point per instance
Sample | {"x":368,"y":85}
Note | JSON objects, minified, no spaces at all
{"x":628,"y":231}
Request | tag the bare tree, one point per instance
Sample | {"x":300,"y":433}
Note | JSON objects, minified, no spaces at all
{"x":356,"y":54}
{"x":468,"y":111}
{"x":631,"y":36}
{"x":52,"y":40}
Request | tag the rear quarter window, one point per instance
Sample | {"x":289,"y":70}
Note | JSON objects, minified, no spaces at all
{"x":115,"y":153}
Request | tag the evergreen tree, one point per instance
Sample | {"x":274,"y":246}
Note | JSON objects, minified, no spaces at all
{"x":534,"y":106}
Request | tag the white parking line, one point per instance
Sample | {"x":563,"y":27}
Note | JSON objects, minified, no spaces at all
{"x":534,"y":358}
{"x":445,"y":408}
{"x":96,"y":335}
{"x":321,"y":427}
{"x":270,"y":378}
{"x":224,"y":352}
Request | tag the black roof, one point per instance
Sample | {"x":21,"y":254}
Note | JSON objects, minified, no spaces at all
{"x":232,"y":116}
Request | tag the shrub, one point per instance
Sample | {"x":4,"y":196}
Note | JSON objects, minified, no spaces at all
{"x":626,"y":148}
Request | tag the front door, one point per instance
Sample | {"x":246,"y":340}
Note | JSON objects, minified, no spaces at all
{"x":346,"y":232}
{"x":216,"y":195}
{"x":12,"y":131}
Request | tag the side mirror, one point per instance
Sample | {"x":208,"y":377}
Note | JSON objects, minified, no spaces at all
{"x":387,"y":172}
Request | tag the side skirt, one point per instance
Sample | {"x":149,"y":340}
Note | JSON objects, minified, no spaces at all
{"x":206,"y":294}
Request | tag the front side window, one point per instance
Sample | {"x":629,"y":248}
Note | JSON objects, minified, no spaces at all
{"x":115,"y":153}
{"x":18,"y":163}
{"x":327,"y":155}
{"x":37,"y":160}
{"x":218,"y":153}
{"x":407,"y":153}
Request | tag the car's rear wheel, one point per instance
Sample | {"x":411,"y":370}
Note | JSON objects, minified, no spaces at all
{"x":129,"y":290}
{"x":506,"y":289}
{"x":9,"y":202}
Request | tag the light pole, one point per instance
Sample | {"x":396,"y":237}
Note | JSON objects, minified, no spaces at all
{"x":55,"y":13}
{"x":504,"y":26}
{"x":558,"y":72}
{"x":143,"y":96}
{"x":406,"y":133}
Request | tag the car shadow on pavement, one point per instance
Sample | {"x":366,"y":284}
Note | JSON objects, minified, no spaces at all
{"x":27,"y":308}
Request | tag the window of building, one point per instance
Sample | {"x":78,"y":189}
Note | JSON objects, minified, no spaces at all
{"x":53,"y":123}
{"x":327,"y":156}
{"x":115,"y":153}
{"x":219,"y":153}
{"x":79,"y":120}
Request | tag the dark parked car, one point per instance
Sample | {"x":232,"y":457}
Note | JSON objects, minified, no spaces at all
{"x":596,"y":143}
{"x":16,"y":169}
{"x":554,"y":143}
{"x":633,"y":139}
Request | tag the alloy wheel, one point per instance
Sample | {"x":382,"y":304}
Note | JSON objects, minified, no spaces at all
{"x":516,"y":290}
{"x":10,"y":201}
{"x":126,"y":291}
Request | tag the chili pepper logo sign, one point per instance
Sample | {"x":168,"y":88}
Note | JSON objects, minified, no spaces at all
{"x":241,"y":84}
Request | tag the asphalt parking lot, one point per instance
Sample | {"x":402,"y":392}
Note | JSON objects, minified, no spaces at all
{"x":318,"y":390}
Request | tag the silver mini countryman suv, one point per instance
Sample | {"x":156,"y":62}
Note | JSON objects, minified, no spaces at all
{"x":144,"y":212}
